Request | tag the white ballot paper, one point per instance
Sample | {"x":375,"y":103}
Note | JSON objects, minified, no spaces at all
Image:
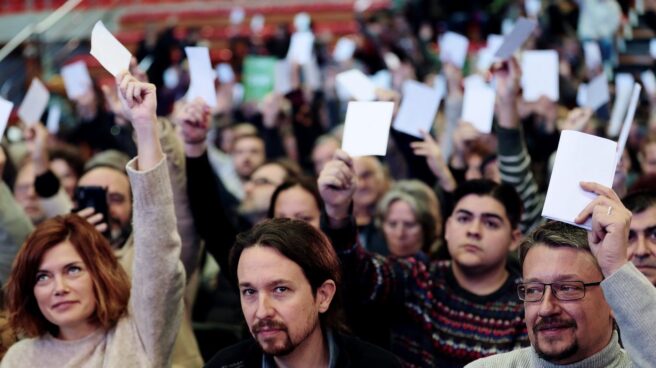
{"x":596,"y":93}
{"x":418,"y":108}
{"x":77,"y":80}
{"x":453,"y":49}
{"x":358,"y":85}
{"x":54,"y":116}
{"x":584,"y":157}
{"x":34,"y":103}
{"x":344,"y":49}
{"x":623,"y":86}
{"x":201,"y":75}
{"x":652,"y":48}
{"x":301,"y":47}
{"x":486,"y":54}
{"x":282,"y":77}
{"x":111,"y":54}
{"x":382,"y":79}
{"x":592,"y":55}
{"x":540,"y":75}
{"x":5,"y":112}
{"x":648,"y":81}
{"x":580,"y":157}
{"x":225,"y":73}
{"x":366,"y":129}
{"x":478,"y":104}
{"x":514,"y":40}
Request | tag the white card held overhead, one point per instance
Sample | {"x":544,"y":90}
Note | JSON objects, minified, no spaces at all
{"x":201,"y":75}
{"x":257,"y":23}
{"x":366,"y":129}
{"x":580,"y":157}
{"x":597,"y":92}
{"x":453,"y":49}
{"x":648,"y":82}
{"x":312,"y":75}
{"x":54,"y":116}
{"x":301,"y":47}
{"x":540,"y":75}
{"x":282,"y":77}
{"x":77,"y":80}
{"x":237,"y":15}
{"x":111,"y":54}
{"x":5,"y":112}
{"x":592,"y":54}
{"x":532,"y":7}
{"x":358,"y":85}
{"x":344,"y":49}
{"x":225,"y":73}
{"x":652,"y":48}
{"x":418,"y":108}
{"x":302,"y":22}
{"x":516,"y":38}
{"x":382,"y":79}
{"x":628,"y":120}
{"x":623,"y":86}
{"x":34,"y":103}
{"x":478,"y":104}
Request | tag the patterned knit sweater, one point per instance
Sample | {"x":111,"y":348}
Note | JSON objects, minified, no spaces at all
{"x":435,"y":322}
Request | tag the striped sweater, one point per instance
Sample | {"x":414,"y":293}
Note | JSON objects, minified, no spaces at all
{"x":434,"y":321}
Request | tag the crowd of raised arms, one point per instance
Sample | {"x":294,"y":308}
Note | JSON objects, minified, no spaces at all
{"x":452,"y":184}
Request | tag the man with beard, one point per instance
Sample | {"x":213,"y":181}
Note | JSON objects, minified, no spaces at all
{"x":576,"y":287}
{"x":290,"y":302}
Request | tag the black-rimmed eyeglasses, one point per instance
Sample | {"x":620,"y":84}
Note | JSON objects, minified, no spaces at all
{"x":562,"y":290}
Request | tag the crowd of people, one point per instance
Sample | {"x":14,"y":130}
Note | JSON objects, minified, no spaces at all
{"x":242,"y":235}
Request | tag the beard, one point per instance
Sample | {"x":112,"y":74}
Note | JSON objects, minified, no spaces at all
{"x":119,"y":234}
{"x":270,"y":346}
{"x":554,"y":355}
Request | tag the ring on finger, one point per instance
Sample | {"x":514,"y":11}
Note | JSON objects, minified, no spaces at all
{"x":610,"y":210}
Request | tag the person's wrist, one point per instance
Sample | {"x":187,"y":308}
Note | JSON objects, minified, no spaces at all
{"x":610,"y":269}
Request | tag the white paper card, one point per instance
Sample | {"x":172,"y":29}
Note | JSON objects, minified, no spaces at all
{"x":301,"y":47}
{"x":628,"y":120}
{"x":111,"y":54}
{"x":382,"y":79}
{"x":5,"y":112}
{"x":344,"y":49}
{"x":439,"y":84}
{"x":516,"y":38}
{"x":366,"y":130}
{"x":358,"y":85}
{"x":623,"y":86}
{"x":532,"y":7}
{"x":478,"y":104}
{"x":453,"y":49}
{"x":540,"y":75}
{"x":77,"y":80}
{"x":648,"y":82}
{"x":225,"y":73}
{"x":597,"y":92}
{"x":282,"y":77}
{"x":580,"y":157}
{"x":201,"y":75}
{"x":302,"y":22}
{"x":34,"y":103}
{"x":54,"y":116}
{"x":418,"y":108}
{"x":237,"y":15}
{"x":592,"y":55}
{"x":652,"y":48}
{"x":257,"y":23}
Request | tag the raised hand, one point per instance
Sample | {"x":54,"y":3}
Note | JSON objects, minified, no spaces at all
{"x":609,"y":236}
{"x":431,"y":150}
{"x":576,"y":119}
{"x":507,"y":77}
{"x":94,"y":218}
{"x":337,"y":182}
{"x":193,"y":118}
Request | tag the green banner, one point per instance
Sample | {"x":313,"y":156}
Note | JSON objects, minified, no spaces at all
{"x":258,"y":77}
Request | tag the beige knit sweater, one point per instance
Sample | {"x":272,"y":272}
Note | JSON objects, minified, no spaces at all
{"x":144,"y":338}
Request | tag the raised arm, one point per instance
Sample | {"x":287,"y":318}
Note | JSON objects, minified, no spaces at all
{"x":629,"y":293}
{"x":158,"y":276}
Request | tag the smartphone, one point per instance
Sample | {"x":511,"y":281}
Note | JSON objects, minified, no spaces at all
{"x":95,"y":197}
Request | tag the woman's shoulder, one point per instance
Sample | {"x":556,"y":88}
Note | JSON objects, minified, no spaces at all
{"x":22,"y":352}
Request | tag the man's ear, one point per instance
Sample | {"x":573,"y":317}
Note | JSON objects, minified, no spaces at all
{"x":515,"y":240}
{"x":325,"y":294}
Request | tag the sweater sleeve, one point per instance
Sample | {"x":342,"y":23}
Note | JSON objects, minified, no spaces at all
{"x":157,"y":274}
{"x":175,"y":158}
{"x":515,"y":170}
{"x":633,"y":300}
{"x":15,"y":226}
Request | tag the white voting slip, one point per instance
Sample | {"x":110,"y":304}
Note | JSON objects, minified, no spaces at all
{"x":225,"y":73}
{"x":77,"y":80}
{"x":418,"y":108}
{"x":54,"y":116}
{"x":595,"y":93}
{"x":516,"y":38}
{"x":478,"y":104}
{"x":648,"y":81}
{"x":623,"y":86}
{"x":34,"y":103}
{"x":592,"y":55}
{"x":584,"y":157}
{"x":109,"y":52}
{"x":201,"y":74}
{"x":5,"y":111}
{"x":282,"y":77}
{"x":366,"y":129}
{"x":358,"y":85}
{"x":344,"y":49}
{"x":301,"y":47}
{"x":540,"y":75}
{"x":453,"y":49}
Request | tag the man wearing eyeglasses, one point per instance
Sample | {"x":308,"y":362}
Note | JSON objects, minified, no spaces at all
{"x":577,"y":286}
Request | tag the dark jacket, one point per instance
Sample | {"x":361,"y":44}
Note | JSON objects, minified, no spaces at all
{"x":351,"y":352}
